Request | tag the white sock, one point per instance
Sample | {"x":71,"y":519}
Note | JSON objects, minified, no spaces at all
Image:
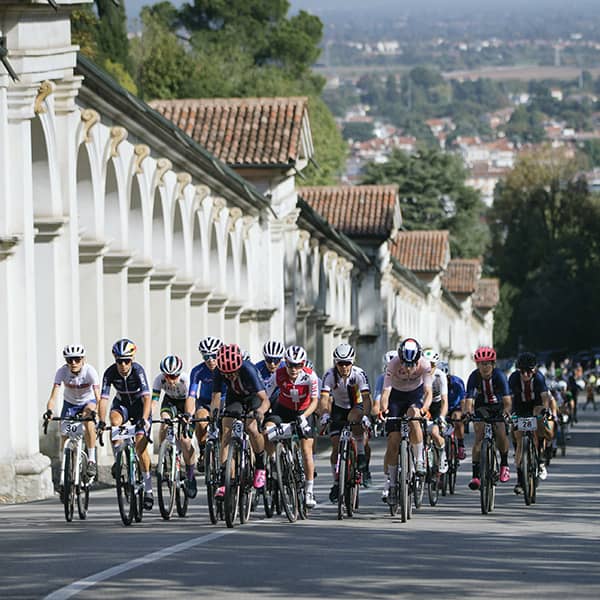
{"x":308,"y":486}
{"x":418,"y":450}
{"x":147,"y":483}
{"x":92,"y":454}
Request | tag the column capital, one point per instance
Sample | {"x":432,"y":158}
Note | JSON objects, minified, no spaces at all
{"x":137,"y":272}
{"x":248,"y":314}
{"x":90,"y":250}
{"x":20,"y":101}
{"x":8,"y":244}
{"x":161,"y":278}
{"x":48,"y":228}
{"x":265,"y":314}
{"x":65,"y":93}
{"x":181,"y":288}
{"x":233,"y":309}
{"x":216,"y":303}
{"x":115,"y":262}
{"x":200,"y":297}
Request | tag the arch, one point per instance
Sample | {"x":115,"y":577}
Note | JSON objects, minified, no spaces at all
{"x":214,"y":259}
{"x":158,"y":237}
{"x":178,"y":236}
{"x":113,"y":232}
{"x":197,"y":254}
{"x":231,"y":267}
{"x":246,"y":288}
{"x":136,"y":228}
{"x":87,"y":224}
{"x":43,"y":184}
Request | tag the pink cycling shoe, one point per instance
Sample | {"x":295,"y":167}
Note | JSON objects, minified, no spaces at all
{"x":260,"y":478}
{"x":220,"y":493}
{"x":461,"y":453}
{"x":504,"y":474}
{"x":475,"y":483}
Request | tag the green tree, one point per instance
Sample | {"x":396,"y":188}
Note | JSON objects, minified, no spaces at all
{"x":434,"y":196}
{"x":525,"y":125}
{"x":84,"y":31}
{"x":112,"y":40}
{"x":546,"y":251}
{"x":359,"y":131}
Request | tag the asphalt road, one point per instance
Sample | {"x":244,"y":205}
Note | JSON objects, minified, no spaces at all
{"x":551,"y":549}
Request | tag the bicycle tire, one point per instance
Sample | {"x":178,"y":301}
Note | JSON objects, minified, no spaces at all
{"x":125,"y":491}
{"x":139,"y":487}
{"x":484,"y":476}
{"x":269,"y":489}
{"x":453,"y":464}
{"x":83,"y":489}
{"x":246,"y":487}
{"x":342,"y":475}
{"x":526,"y":470}
{"x":433,"y":484}
{"x":404,"y":481}
{"x":181,"y":496}
{"x":534,"y":474}
{"x":285,"y":477}
{"x":299,"y":479}
{"x":211,"y":479}
{"x":69,"y":485}
{"x":232,"y":482}
{"x":164,"y":480}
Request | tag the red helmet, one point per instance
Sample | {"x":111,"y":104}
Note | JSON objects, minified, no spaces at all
{"x":229,"y":358}
{"x":484,"y":354}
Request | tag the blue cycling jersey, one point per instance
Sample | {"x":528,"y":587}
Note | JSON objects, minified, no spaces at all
{"x":537,"y":388}
{"x":201,"y":383}
{"x":487,"y":391}
{"x":456,"y":392}
{"x":246,"y":383}
{"x":130,"y":388}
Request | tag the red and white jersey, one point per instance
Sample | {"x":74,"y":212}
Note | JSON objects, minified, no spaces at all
{"x":297,"y":394}
{"x":406,"y":379}
{"x":79,"y":387}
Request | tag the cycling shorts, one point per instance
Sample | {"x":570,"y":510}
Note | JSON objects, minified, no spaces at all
{"x":133,"y":413}
{"x":281,"y":414}
{"x":235,"y":408}
{"x":339,"y":418}
{"x":72,"y":410}
{"x":172,"y":406}
{"x":399,"y":404}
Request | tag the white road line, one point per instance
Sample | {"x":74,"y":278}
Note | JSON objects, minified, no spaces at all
{"x":78,"y":586}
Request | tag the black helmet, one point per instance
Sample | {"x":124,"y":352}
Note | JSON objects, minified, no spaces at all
{"x":526,"y":361}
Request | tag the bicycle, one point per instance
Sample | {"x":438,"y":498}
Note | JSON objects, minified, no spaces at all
{"x":212,"y":462}
{"x":171,"y":472}
{"x":489,"y":471}
{"x":239,"y":473}
{"x":76,"y":483}
{"x":128,"y":474}
{"x":432,"y":468}
{"x":289,"y":468}
{"x":448,"y":483}
{"x":529,"y":456}
{"x":406,"y":477}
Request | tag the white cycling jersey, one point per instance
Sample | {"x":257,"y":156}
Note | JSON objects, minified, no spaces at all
{"x":79,"y":387}
{"x":439,"y":385}
{"x":346,"y":393}
{"x":177,"y":390}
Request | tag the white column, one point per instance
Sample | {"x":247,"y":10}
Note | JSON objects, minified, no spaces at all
{"x":199,"y":317}
{"x":232,"y":323}
{"x":160,"y":306}
{"x":140,"y":324}
{"x":215,"y":322}
{"x":116,"y":309}
{"x":181,"y":319}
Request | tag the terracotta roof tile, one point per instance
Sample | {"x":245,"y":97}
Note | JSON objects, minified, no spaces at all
{"x":487,"y":294}
{"x":356,"y":209}
{"x":462,"y":275}
{"x":425,"y":251}
{"x":241,"y":131}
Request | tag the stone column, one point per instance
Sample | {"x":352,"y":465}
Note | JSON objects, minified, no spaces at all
{"x":140,"y":325}
{"x":232,"y":323}
{"x":160,"y":306}
{"x":116,"y":324}
{"x":199,"y":316}
{"x":301,"y":325}
{"x":249,"y":334}
{"x":215,"y":324}
{"x":181,"y":319}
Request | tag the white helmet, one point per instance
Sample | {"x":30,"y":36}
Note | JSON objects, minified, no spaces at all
{"x":210,"y":344}
{"x":273,"y":349}
{"x":344,"y":353}
{"x":74,"y":351}
{"x":295,"y":355}
{"x":562,"y":385}
{"x":389,"y":356}
{"x":444,"y":367}
{"x":431,"y":355}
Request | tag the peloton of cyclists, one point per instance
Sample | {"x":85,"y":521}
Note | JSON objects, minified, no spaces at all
{"x":456,"y":396}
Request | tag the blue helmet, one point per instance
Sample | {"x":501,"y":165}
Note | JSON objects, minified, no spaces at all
{"x":410,"y":351}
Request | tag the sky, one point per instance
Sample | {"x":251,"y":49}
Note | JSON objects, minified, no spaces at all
{"x":133,"y":6}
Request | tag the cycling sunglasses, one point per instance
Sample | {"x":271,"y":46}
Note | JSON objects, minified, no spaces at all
{"x":273,"y":359}
{"x":292,"y":365}
{"x":123,"y":361}
{"x":210,"y":356}
{"x":344,"y":363}
{"x":74,"y":359}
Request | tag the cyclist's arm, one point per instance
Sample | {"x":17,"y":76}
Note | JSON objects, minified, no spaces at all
{"x":215,"y":403}
{"x":427,"y":397}
{"x":325,"y":403}
{"x":264,"y":401}
{"x":53,"y":396}
{"x":385,"y":398}
{"x":314,"y":402}
{"x":367,"y":403}
{"x":507,"y":403}
{"x":444,"y":406}
{"x":147,"y":411}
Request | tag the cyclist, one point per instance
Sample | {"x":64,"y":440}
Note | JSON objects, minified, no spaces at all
{"x":245,"y":390}
{"x":173,"y":382}
{"x":132,"y":401}
{"x":406,"y":392}
{"x":529,"y":396}
{"x":456,"y":396}
{"x":201,"y":389}
{"x":298,"y":398}
{"x":81,"y":396}
{"x":345,"y":396}
{"x":273,"y":352}
{"x":387,"y":357}
{"x":439,"y":406}
{"x":487,"y":389}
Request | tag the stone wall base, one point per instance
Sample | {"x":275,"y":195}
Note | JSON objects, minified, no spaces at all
{"x":26,"y":479}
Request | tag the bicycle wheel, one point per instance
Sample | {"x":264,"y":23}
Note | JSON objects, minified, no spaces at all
{"x":164,"y":479}
{"x":232,"y":481}
{"x":485,"y":478}
{"x":83,"y":489}
{"x":562,"y":439}
{"x":69,"y":485}
{"x":342,"y":477}
{"x":285,"y":481}
{"x":534,"y":468}
{"x":270,"y":488}
{"x":453,"y":463}
{"x":181,"y":496}
{"x":433,"y":482}
{"x":246,"y":487}
{"x":404,"y":478}
{"x":528,"y":483}
{"x":125,"y":491}
{"x":299,"y":479}
{"x":352,"y":486}
{"x":139,"y":486}
{"x":211,"y":478}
